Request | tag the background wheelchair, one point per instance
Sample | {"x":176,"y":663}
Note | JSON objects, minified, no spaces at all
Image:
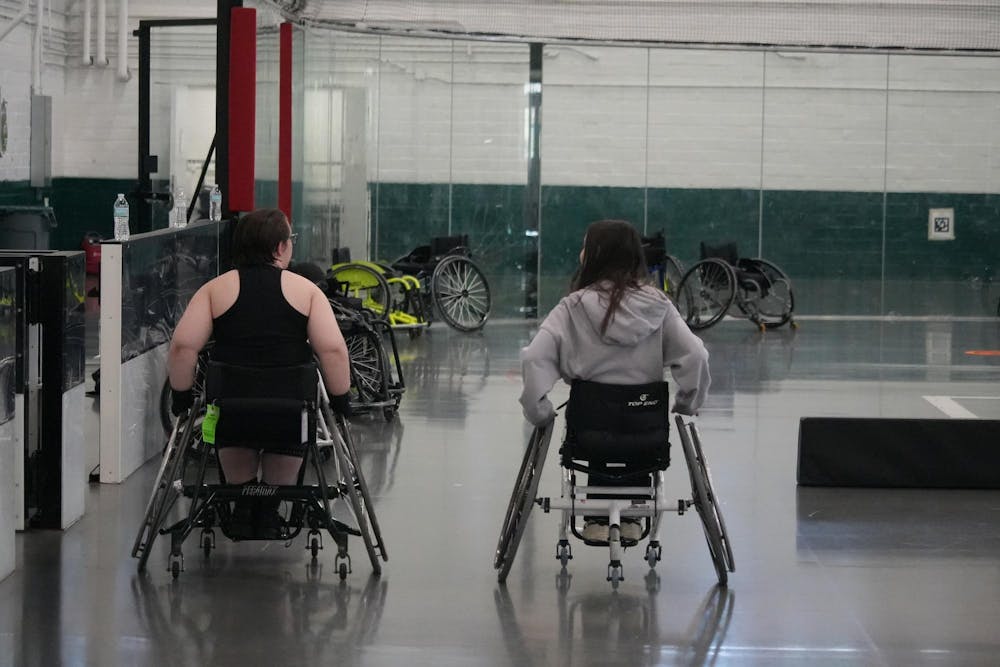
{"x":761,"y":291}
{"x":285,"y":393}
{"x":665,"y":270}
{"x":617,"y":432}
{"x":377,"y":383}
{"x":435,"y":280}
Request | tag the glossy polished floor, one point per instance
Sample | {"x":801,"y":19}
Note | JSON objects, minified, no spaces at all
{"x":823,"y":576}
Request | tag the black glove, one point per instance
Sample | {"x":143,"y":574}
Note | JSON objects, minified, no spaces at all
{"x":341,"y":404}
{"x":181,"y":401}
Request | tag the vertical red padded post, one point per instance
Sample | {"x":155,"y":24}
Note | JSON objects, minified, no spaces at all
{"x":242,"y":107}
{"x":285,"y":121}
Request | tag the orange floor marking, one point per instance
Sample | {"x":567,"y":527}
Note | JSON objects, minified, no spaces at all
{"x":983,"y":353}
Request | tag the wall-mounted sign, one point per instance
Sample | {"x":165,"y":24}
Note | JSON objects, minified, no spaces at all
{"x":941,"y":224}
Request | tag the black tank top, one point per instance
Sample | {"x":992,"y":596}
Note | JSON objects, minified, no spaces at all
{"x":261,"y":328}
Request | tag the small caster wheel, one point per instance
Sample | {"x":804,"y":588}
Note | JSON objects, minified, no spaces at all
{"x":794,"y":324}
{"x":761,"y":327}
{"x":175,"y":569}
{"x":314,"y":547}
{"x":653,"y":553}
{"x":342,"y":571}
{"x":388,"y":413}
{"x":564,"y":553}
{"x":616,"y":573}
{"x":207,"y":542}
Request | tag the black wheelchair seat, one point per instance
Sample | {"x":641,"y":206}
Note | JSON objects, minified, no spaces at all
{"x":617,"y":430}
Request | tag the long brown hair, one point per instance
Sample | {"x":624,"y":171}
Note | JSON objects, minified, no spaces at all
{"x":612,"y":263}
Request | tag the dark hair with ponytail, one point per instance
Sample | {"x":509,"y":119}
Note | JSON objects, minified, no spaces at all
{"x":613,"y":262}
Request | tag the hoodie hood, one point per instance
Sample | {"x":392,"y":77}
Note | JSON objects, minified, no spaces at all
{"x":640,"y":313}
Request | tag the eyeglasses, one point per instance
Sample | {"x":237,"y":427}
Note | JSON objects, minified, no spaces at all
{"x":292,"y":238}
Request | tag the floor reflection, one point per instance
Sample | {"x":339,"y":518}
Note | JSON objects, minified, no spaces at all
{"x":626,"y":625}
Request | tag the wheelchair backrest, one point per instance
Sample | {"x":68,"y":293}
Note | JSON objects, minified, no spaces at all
{"x":627,"y":423}
{"x":727,"y":252}
{"x":254,"y":382}
{"x":654,"y":248}
{"x":443,"y":245}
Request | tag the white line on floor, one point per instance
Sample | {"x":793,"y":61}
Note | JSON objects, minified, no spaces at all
{"x":950,"y":407}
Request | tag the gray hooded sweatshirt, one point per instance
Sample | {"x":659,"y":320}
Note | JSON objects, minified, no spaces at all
{"x":646,"y":336}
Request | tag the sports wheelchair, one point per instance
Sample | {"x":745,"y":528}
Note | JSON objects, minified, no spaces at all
{"x":666,"y":270}
{"x":439,"y":279}
{"x":617,"y":434}
{"x":376,"y":381}
{"x":287,"y":396}
{"x":762,"y":291}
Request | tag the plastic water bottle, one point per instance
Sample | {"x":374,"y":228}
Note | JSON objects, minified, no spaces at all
{"x":215,"y":204}
{"x":121,"y":218}
{"x":179,"y":218}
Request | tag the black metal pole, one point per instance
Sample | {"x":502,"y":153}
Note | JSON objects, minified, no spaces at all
{"x":143,"y":222}
{"x":222,"y":40}
{"x":533,"y":190}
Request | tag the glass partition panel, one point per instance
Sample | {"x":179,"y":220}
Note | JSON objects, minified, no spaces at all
{"x":704,"y":149}
{"x":265,"y":187}
{"x":181,"y":112}
{"x":943,"y":182}
{"x":340,"y":103}
{"x":74,"y":322}
{"x":8,"y":379}
{"x":413,"y":157}
{"x":823,"y":173}
{"x":489,"y":164}
{"x":162,"y":271}
{"x":593,"y":152}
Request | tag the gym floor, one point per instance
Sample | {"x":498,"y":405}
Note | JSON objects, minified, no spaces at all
{"x":823,"y":576}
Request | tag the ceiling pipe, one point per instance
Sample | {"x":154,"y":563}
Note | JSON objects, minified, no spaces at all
{"x":20,"y":16}
{"x":102,"y":33}
{"x":88,"y":10}
{"x":123,"y":73}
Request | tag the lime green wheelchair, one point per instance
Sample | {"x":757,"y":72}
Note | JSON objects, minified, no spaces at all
{"x":438,"y":280}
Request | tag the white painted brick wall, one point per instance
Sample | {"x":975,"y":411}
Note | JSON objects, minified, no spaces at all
{"x":445,"y":110}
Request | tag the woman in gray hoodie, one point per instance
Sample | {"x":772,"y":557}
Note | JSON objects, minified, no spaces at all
{"x":613,"y":328}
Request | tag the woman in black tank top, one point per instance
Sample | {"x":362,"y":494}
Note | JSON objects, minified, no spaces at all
{"x":260,"y":315}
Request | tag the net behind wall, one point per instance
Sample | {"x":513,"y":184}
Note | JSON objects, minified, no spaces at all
{"x":851,"y":24}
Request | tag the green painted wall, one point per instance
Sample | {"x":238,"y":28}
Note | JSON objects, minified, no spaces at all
{"x":830,"y":243}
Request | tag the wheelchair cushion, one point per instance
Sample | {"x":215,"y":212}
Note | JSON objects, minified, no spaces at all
{"x":617,"y":424}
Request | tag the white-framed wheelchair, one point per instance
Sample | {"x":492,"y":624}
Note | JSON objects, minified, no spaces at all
{"x":285,"y":393}
{"x":619,"y":432}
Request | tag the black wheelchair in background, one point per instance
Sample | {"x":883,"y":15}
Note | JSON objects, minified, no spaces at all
{"x":618,"y":435}
{"x":293,"y":399}
{"x":761,"y":291}
{"x":665,"y":270}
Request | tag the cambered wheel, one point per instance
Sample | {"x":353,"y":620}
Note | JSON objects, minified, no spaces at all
{"x":522,"y":500}
{"x":368,"y":382}
{"x":673,"y":273}
{"x":775,"y":303}
{"x":365,"y":283}
{"x":708,"y":511}
{"x":461,"y":293}
{"x":710,"y":489}
{"x":164,"y":495}
{"x":356,"y":491}
{"x":706,"y":292}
